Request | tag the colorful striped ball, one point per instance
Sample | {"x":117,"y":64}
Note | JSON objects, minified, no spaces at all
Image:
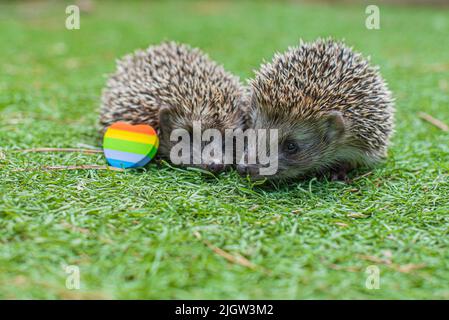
{"x":130,"y":146}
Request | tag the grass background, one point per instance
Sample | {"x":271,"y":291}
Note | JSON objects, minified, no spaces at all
{"x":132,"y":234}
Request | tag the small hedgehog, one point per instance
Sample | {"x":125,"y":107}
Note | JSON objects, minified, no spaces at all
{"x":170,"y":86}
{"x":333,"y":111}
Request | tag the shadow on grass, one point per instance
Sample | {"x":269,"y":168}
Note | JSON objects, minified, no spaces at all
{"x":312,"y":184}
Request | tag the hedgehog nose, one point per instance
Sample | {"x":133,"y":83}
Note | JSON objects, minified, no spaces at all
{"x":215,"y":167}
{"x":242,"y":169}
{"x":247,"y":170}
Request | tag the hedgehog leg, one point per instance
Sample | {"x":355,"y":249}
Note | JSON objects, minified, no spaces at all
{"x":340,"y":172}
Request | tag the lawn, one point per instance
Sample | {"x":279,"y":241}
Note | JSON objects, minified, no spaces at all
{"x":162,"y":232}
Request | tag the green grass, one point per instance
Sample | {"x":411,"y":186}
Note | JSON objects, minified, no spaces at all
{"x":132,"y":234}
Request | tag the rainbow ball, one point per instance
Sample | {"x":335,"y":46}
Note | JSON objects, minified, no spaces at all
{"x":130,"y":146}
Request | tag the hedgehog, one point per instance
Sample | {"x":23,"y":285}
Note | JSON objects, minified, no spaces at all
{"x":171,"y":86}
{"x":332,"y":109}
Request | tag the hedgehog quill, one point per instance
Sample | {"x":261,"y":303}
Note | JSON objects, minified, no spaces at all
{"x":170,"y":86}
{"x":333,"y":111}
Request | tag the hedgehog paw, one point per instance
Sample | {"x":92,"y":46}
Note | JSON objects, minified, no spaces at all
{"x":340,"y":173}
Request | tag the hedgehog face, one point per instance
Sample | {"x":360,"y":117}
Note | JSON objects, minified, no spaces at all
{"x":205,"y":136}
{"x":305,"y":146}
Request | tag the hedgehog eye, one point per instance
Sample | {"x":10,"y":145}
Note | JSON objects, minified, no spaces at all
{"x":291,"y":147}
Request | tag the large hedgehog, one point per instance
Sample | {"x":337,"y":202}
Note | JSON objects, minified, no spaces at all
{"x":333,"y":111}
{"x":170,"y":86}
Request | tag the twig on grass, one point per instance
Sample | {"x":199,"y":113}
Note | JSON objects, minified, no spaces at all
{"x":87,"y":146}
{"x":61,"y":150}
{"x":374,"y":259}
{"x":345,"y":268}
{"x":362,"y":176}
{"x":82,"y":167}
{"x":407,"y":268}
{"x":437,"y":123}
{"x":237,"y":259}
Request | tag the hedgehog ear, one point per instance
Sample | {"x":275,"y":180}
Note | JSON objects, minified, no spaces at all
{"x":253,"y":101}
{"x":335,"y":125}
{"x":165,"y":121}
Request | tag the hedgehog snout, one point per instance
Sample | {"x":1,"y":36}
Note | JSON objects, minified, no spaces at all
{"x":215,"y":167}
{"x":245,"y":169}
